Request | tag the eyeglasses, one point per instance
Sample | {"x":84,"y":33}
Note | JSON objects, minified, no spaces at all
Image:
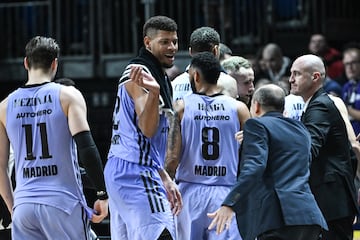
{"x":352,"y":63}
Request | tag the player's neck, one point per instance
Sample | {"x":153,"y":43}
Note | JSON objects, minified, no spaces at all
{"x":38,"y":76}
{"x":209,"y":90}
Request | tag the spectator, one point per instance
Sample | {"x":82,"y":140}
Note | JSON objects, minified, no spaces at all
{"x":319,"y":46}
{"x":277,"y":65}
{"x":351,"y":89}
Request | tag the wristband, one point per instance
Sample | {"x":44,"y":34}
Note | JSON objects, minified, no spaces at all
{"x":102,"y":195}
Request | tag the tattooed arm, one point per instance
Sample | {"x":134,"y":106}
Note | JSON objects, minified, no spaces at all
{"x":174,"y":139}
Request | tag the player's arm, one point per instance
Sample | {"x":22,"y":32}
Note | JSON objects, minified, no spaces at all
{"x":5,"y":183}
{"x":146,"y":102}
{"x":350,"y":131}
{"x":243,"y":113}
{"x":174,"y":140}
{"x":173,"y":193}
{"x":74,"y":106}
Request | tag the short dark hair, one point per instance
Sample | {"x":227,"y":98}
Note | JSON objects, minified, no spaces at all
{"x":224,"y":49}
{"x":156,"y":23}
{"x":41,"y":52}
{"x":203,"y":39}
{"x":270,"y":97}
{"x":208,"y":65}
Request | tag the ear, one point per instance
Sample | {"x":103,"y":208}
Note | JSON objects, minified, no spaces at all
{"x":190,"y":51}
{"x":54,"y":65}
{"x":147,"y":42}
{"x":255,"y":109}
{"x":216,"y":51}
{"x":197,"y":76}
{"x":26,"y":65}
{"x":316,"y":76}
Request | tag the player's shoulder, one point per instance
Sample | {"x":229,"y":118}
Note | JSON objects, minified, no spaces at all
{"x":3,"y":107}
{"x":183,"y":77}
{"x":70,"y":93}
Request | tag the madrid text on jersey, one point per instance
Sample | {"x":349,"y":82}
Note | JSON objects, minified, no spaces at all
{"x":42,"y":171}
{"x":210,"y":170}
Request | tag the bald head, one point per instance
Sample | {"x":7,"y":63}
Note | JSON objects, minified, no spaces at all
{"x":311,"y":63}
{"x":307,"y":75}
{"x":270,"y":97}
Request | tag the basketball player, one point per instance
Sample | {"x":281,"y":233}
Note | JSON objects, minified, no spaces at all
{"x":46,"y":125}
{"x":205,"y":144}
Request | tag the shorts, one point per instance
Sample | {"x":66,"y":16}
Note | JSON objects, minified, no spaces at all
{"x":33,"y":221}
{"x":139,"y":208}
{"x":193,"y":222}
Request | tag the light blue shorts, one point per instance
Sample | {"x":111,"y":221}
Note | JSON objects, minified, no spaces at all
{"x":139,"y":209}
{"x":198,"y":200}
{"x":33,"y":221}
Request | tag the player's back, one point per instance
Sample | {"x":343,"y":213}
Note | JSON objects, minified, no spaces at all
{"x":46,"y":164}
{"x":209,"y":152}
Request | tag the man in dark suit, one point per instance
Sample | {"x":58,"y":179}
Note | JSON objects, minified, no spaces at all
{"x":272,"y":197}
{"x":332,"y":170}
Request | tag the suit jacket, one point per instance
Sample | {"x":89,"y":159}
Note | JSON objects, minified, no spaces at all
{"x":332,"y":172}
{"x":272,"y":190}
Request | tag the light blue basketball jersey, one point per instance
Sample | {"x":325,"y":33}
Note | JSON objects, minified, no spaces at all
{"x":128,"y":142}
{"x":209,"y":152}
{"x":46,"y":163}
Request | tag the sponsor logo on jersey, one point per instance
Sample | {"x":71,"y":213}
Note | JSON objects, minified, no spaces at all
{"x":34,"y":114}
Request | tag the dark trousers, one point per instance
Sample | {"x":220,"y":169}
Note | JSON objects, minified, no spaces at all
{"x":5,"y":234}
{"x":298,"y":232}
{"x":340,"y":229}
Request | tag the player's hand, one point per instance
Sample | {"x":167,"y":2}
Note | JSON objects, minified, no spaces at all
{"x":221,"y":219}
{"x":143,"y":79}
{"x":174,"y":197}
{"x":239,"y":136}
{"x":101,"y":210}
